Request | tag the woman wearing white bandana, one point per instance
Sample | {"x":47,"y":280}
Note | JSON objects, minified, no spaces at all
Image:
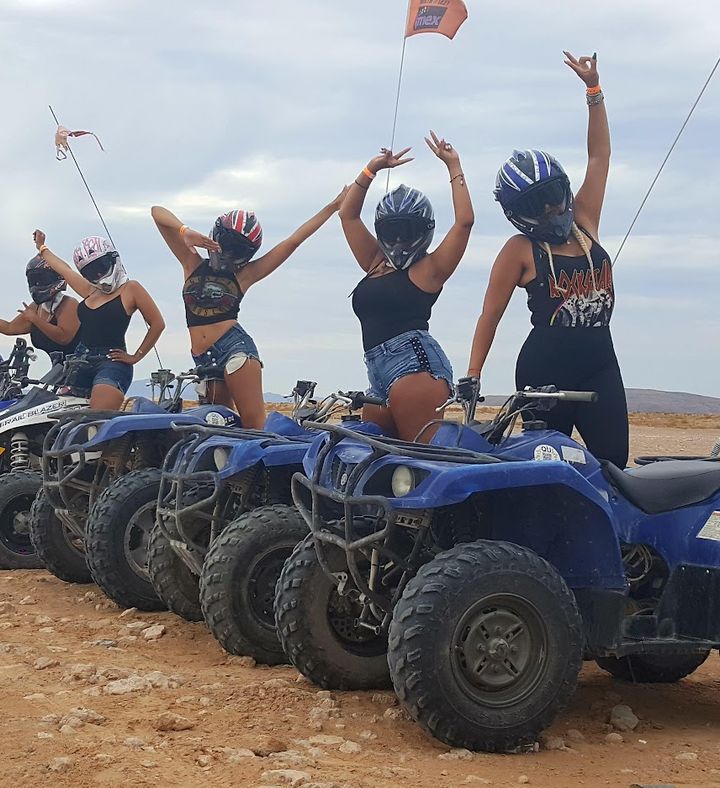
{"x":109,"y":301}
{"x":51,"y":320}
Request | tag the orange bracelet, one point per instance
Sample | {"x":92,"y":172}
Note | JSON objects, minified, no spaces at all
{"x":184,"y":229}
{"x":594,"y":91}
{"x":369,"y":173}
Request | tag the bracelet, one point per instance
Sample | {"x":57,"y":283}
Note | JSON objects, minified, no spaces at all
{"x":357,"y":183}
{"x":368,"y":173}
{"x":598,"y":98}
{"x":594,"y":90}
{"x":184,"y":229}
{"x":459,"y":175}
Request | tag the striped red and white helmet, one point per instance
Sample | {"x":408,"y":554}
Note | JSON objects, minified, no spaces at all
{"x":243,"y":224}
{"x":90,"y":249}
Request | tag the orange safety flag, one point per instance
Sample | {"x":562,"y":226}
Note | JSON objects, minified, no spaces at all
{"x":435,"y":16}
{"x":61,"y":141}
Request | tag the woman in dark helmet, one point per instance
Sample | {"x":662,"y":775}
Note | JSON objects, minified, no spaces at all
{"x":214,"y":288}
{"x":569,"y":282}
{"x":110,"y":299}
{"x":51,"y":320}
{"x":406,"y":366}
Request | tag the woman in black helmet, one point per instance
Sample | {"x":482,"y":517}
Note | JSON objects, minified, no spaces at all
{"x":569,"y":282}
{"x":406,"y":366}
{"x":51,"y":320}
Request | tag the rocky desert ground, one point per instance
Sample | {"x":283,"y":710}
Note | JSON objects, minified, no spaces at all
{"x":92,"y":695}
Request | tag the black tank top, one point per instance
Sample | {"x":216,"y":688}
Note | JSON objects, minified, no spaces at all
{"x":42,"y":341}
{"x":569,"y":299}
{"x":211,"y":296}
{"x":390,"y":305}
{"x":105,"y":326}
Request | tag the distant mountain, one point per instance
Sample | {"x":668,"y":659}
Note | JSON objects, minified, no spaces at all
{"x":140,"y":388}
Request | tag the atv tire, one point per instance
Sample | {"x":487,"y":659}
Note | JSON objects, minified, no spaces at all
{"x":173,"y":580}
{"x":61,"y":552}
{"x":652,"y":668}
{"x":317,"y":627}
{"x":237,"y":585}
{"x":17,"y":493}
{"x":118,"y":532}
{"x":485,"y":646}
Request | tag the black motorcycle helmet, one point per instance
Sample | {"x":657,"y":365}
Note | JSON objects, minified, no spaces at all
{"x":404,"y":225}
{"x":44,"y":284}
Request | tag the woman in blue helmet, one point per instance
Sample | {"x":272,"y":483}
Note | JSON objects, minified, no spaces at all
{"x":568,"y":278}
{"x":406,"y":366}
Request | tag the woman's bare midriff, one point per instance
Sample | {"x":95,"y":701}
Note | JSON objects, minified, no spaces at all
{"x":203,"y":337}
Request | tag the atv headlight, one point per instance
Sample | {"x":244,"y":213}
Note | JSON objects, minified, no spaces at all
{"x":403,"y":481}
{"x":220,"y":457}
{"x":92,"y":431}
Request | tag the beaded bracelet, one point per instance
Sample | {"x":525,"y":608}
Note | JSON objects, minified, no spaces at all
{"x":598,"y":98}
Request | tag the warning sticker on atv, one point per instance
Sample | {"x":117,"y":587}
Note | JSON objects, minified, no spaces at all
{"x":711,"y":529}
{"x":545,"y":452}
{"x":573,"y":454}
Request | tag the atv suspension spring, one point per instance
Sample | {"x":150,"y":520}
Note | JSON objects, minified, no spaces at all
{"x":19,"y":452}
{"x":716,"y":449}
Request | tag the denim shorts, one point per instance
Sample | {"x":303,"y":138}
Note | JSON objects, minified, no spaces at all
{"x":106,"y":372}
{"x":406,"y":354}
{"x":234,"y":342}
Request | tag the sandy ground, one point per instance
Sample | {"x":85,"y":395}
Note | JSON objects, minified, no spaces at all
{"x":64,"y":651}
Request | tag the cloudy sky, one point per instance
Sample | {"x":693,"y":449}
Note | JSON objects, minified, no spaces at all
{"x":273,"y":106}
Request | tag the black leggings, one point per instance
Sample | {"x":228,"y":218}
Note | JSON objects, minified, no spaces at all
{"x":580,"y":359}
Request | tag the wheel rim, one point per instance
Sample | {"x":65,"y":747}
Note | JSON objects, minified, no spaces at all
{"x":343,"y":613}
{"x":137,"y":538}
{"x":261,"y":585}
{"x":499,"y":650}
{"x":15,"y":525}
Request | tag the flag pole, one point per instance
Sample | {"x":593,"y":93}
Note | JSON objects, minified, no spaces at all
{"x":399,"y":88}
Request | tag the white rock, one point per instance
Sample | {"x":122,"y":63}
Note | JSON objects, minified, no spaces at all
{"x":168,"y":721}
{"x":240,"y":755}
{"x":203,"y":761}
{"x":124,"y":686}
{"x":134,"y":626}
{"x":41,"y":621}
{"x":45,"y":735}
{"x":68,"y":730}
{"x":290,"y":759}
{"x":28,"y":600}
{"x":103,"y":757}
{"x":60,"y":764}
{"x":368,"y":735}
{"x":70,"y":721}
{"x":614,"y":738}
{"x":549,"y":742}
{"x":35,"y":696}
{"x":87,"y":715}
{"x":622,"y":718}
{"x":460,"y":754}
{"x":686,"y":756}
{"x":50,"y":719}
{"x":161,"y":681}
{"x":80,"y":672}
{"x":290,"y":777}
{"x":350,"y":747}
{"x":155,"y":632}
{"x":129,"y":612}
{"x":326,"y":740}
{"x":46,"y":630}
{"x":473,"y":779}
{"x":383,"y":698}
{"x":395,"y":714}
{"x":45,"y":662}
{"x":134,"y":741}
{"x":523,"y":779}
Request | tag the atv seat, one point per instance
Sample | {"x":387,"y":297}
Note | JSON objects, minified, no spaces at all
{"x":665,"y":486}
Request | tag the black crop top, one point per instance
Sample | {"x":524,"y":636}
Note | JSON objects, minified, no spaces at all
{"x":390,"y":305}
{"x":41,"y":341}
{"x":568,"y":299}
{"x":211,"y":296}
{"x":105,"y":326}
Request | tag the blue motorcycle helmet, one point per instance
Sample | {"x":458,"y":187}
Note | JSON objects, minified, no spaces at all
{"x":534,"y":192}
{"x":404,"y":226}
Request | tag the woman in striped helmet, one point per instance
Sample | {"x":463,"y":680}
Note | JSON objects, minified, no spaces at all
{"x":215,"y":286}
{"x":406,"y":366}
{"x":567,"y":274}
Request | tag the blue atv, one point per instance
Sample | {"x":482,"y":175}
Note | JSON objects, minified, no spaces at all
{"x":478,"y":571}
{"x":226,"y":522}
{"x":101,"y":471}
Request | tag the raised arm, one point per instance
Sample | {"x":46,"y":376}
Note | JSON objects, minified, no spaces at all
{"x":80,"y":285}
{"x":361,"y":241}
{"x":143,"y":302}
{"x":589,"y":198}
{"x":181,"y":240}
{"x":506,"y":275}
{"x":439,"y":266}
{"x":265,"y":265}
{"x":67,"y":321}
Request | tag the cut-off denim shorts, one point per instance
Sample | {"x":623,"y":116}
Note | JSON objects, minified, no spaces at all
{"x":235,"y":343}
{"x":406,"y":354}
{"x":107,"y":372}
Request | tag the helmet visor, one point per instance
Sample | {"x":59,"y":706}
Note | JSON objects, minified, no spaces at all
{"x":403,"y":230}
{"x":99,"y":268}
{"x":540,"y":204}
{"x":234,"y":246}
{"x":42,"y":277}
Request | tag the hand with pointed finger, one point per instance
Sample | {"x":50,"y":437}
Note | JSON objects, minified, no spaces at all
{"x":29,"y":312}
{"x":442,"y":149}
{"x":38,"y":238}
{"x":195,"y":240}
{"x":387,"y":160}
{"x":585,"y":68}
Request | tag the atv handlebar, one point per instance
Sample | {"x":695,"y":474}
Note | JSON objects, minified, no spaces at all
{"x":360,"y":398}
{"x":566,"y":396}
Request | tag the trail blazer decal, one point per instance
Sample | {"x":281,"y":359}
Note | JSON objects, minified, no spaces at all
{"x":573,"y":454}
{"x":545,"y":452}
{"x":39,"y":411}
{"x":711,"y":529}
